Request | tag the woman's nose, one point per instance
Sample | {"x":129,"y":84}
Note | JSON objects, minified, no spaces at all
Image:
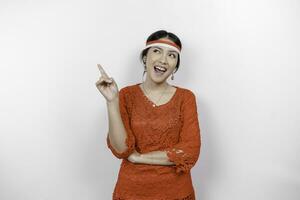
{"x":163,"y":59}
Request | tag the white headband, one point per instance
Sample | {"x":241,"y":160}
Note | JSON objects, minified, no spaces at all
{"x":162,"y":43}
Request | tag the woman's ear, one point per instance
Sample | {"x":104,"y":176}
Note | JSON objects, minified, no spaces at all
{"x":144,"y":59}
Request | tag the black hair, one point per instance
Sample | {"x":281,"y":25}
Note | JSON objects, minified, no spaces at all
{"x":162,"y":34}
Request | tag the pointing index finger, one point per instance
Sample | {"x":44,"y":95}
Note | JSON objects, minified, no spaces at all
{"x":102,"y":70}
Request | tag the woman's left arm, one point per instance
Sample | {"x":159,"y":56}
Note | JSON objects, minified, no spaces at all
{"x":153,"y":158}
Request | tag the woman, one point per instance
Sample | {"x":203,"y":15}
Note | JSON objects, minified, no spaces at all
{"x":153,"y":127}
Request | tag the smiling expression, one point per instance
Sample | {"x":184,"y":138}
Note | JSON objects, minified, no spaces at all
{"x":161,"y":62}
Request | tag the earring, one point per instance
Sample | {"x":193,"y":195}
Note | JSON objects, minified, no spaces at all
{"x":143,"y":75}
{"x":172,"y":77}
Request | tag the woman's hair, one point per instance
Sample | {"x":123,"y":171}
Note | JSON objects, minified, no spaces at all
{"x":158,"y":35}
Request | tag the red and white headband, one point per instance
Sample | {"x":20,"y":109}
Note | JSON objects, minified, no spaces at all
{"x":162,"y":43}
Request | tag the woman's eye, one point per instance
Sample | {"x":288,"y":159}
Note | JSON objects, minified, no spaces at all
{"x":155,"y":50}
{"x":174,"y":56}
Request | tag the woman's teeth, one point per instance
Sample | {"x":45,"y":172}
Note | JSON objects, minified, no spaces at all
{"x":159,"y":69}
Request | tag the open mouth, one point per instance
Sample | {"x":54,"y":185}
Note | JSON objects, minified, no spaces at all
{"x":160,"y":69}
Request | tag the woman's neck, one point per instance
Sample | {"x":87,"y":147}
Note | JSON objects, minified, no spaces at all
{"x":155,"y":87}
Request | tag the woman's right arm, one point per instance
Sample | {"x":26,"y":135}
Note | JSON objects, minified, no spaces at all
{"x":116,"y":131}
{"x":119,"y":138}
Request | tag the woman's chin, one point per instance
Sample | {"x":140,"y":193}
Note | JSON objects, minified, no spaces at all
{"x":158,"y":78}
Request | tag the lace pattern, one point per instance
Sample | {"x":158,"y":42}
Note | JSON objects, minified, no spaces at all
{"x":188,"y":197}
{"x":156,"y":130}
{"x":172,"y":127}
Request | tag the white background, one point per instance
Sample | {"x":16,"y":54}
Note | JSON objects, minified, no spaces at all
{"x":240,"y":57}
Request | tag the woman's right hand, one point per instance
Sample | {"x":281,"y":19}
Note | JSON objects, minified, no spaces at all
{"x":107,"y":86}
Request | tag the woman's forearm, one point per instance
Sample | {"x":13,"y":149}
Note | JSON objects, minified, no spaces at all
{"x":154,"y":158}
{"x":117,"y":132}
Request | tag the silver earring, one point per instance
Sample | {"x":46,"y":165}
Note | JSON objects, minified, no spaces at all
{"x":143,"y":75}
{"x":172,"y":77}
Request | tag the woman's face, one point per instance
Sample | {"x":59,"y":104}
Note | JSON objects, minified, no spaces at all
{"x":163,"y":57}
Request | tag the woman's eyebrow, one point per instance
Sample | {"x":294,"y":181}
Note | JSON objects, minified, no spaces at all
{"x":162,"y":49}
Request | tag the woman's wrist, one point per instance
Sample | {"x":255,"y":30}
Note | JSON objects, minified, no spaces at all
{"x":136,"y":158}
{"x":113,"y":102}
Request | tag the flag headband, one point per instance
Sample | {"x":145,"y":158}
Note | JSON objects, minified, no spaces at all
{"x":162,"y":43}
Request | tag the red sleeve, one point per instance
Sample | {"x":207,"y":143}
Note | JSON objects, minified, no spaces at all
{"x":186,"y":152}
{"x":130,"y":140}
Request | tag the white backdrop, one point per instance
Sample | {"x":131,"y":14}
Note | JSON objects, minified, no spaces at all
{"x":240,"y":58}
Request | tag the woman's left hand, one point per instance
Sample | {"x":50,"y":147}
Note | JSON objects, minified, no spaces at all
{"x":134,"y":157}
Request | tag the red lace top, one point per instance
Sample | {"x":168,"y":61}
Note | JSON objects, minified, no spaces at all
{"x":168,"y":127}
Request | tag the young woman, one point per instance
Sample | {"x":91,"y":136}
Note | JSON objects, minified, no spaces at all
{"x":153,"y":127}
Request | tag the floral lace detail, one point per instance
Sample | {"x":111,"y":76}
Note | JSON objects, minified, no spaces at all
{"x":172,"y":127}
{"x":156,"y":126}
{"x":183,"y":161}
{"x":188,"y":197}
{"x":155,"y":133}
